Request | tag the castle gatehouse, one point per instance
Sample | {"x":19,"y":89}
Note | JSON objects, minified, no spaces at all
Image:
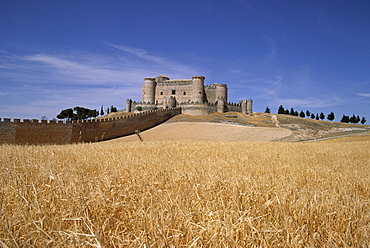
{"x":191,"y":95}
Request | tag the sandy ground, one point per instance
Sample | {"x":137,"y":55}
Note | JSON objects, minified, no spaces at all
{"x":207,"y":131}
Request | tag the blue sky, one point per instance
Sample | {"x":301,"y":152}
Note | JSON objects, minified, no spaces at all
{"x":303,"y":54}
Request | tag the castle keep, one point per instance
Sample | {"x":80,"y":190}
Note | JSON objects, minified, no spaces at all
{"x":191,"y":95}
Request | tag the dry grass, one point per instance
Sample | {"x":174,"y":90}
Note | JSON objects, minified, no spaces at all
{"x":186,"y":194}
{"x":256,"y":119}
{"x":350,"y":138}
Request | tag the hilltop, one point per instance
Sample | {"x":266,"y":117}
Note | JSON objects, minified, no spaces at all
{"x":235,"y":126}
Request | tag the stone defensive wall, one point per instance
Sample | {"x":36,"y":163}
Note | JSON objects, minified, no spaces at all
{"x":233,"y":107}
{"x":59,"y":132}
{"x":191,"y":107}
{"x":196,"y":108}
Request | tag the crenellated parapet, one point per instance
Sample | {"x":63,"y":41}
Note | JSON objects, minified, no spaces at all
{"x":60,"y":132}
{"x":34,"y":121}
{"x":185,"y":82}
{"x":209,"y":104}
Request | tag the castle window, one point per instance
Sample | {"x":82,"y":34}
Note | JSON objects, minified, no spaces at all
{"x":173,"y":92}
{"x":161,"y":93}
{"x":184,"y":93}
{"x":200,"y":93}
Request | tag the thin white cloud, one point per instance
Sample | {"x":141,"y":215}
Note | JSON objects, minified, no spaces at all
{"x":90,"y":68}
{"x":43,"y":84}
{"x":159,"y":63}
{"x":273,"y":50}
{"x":49,"y":102}
{"x":364,"y":94}
{"x":310,"y":102}
{"x":245,"y":3}
{"x":84,"y":69}
{"x":302,"y":78}
{"x":140,"y":53}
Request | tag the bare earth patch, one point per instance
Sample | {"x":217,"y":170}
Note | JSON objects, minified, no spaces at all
{"x":208,"y":131}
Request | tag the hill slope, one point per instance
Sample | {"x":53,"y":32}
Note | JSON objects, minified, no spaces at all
{"x":239,"y":127}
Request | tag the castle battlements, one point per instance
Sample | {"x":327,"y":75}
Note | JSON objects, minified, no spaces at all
{"x":59,"y":132}
{"x":33,"y":121}
{"x":162,"y":93}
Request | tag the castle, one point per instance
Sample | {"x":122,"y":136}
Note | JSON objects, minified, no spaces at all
{"x":161,"y":100}
{"x":191,"y":95}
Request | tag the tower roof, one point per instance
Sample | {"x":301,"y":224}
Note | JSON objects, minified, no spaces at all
{"x":162,"y":76}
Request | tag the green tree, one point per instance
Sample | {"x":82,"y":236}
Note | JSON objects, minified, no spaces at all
{"x":113,"y":109}
{"x":345,"y":119}
{"x":267,"y":110}
{"x":317,"y":117}
{"x":354,"y":119}
{"x":322,"y":116}
{"x":93,"y":113}
{"x":308,"y":113}
{"x":302,"y":114}
{"x":81,"y":112}
{"x":101,"y":110}
{"x":331,"y":116}
{"x":66,"y":114}
{"x":139,"y":108}
{"x":312,"y":116}
{"x":358,"y":119}
{"x":292,"y":112}
{"x":281,"y":110}
{"x":77,"y":113}
{"x":363,"y":120}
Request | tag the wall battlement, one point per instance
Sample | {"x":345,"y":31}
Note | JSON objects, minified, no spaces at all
{"x":162,"y":92}
{"x":34,"y":121}
{"x":59,"y":132}
{"x":177,"y":82}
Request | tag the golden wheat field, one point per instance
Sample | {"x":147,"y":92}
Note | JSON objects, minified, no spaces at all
{"x":186,"y":194}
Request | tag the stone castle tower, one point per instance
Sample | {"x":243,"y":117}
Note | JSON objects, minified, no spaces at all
{"x":191,"y":95}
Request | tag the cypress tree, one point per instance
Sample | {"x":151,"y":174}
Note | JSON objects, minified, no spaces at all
{"x":345,"y":119}
{"x":358,"y":119}
{"x":363,"y":120}
{"x":101,"y":110}
{"x":331,"y":116}
{"x":281,"y":110}
{"x":352,"y":119}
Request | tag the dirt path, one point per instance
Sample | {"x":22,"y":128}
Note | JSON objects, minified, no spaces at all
{"x":275,"y":120}
{"x":207,"y":131}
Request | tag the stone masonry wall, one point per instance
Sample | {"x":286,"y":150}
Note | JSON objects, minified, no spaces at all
{"x":90,"y":131}
{"x":233,"y":107}
{"x":35,"y":132}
